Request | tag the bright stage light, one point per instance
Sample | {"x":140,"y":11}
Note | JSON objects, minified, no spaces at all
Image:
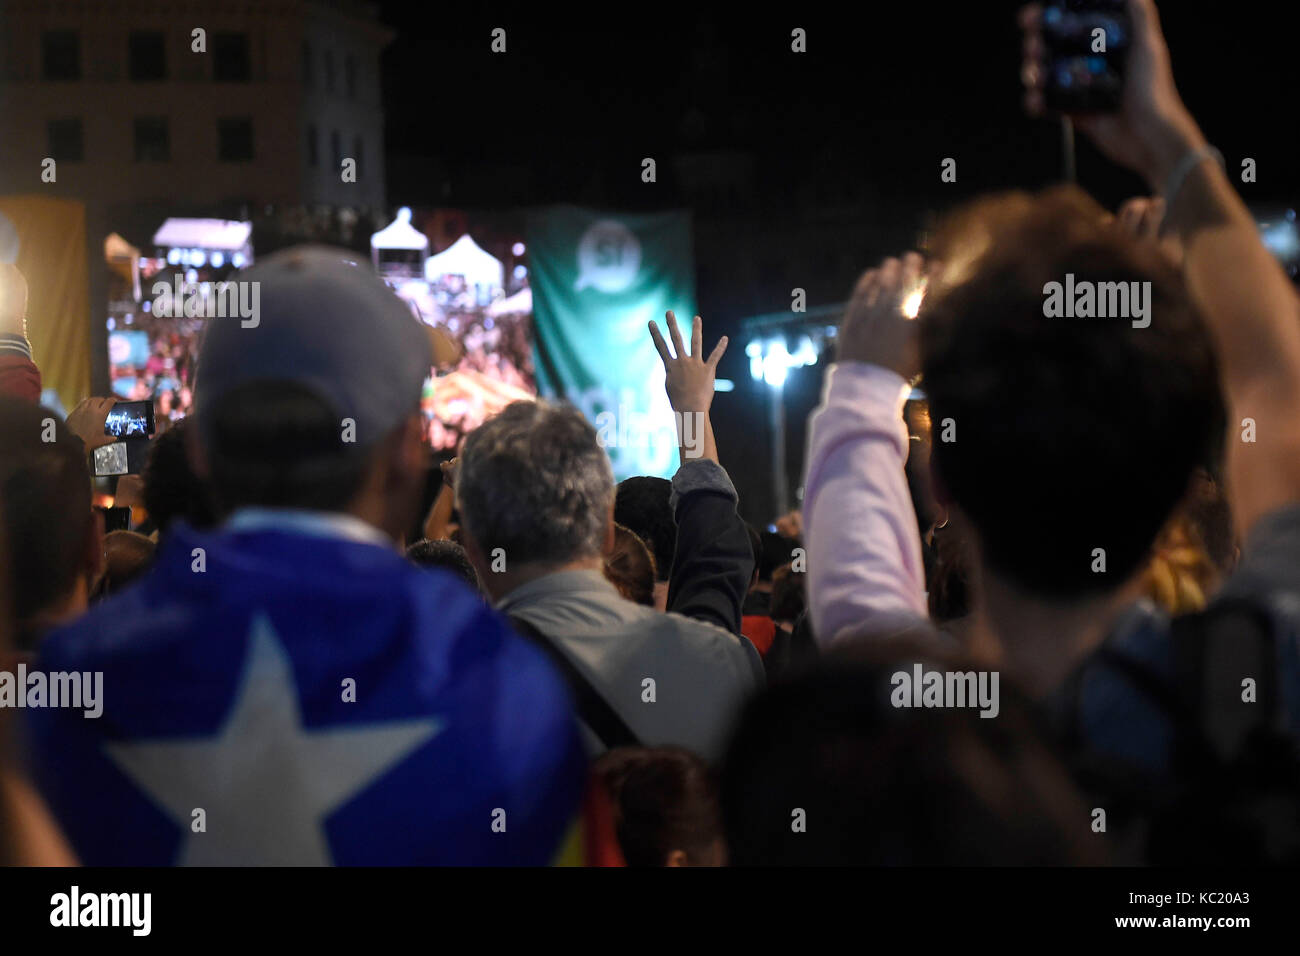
{"x":770,"y":361}
{"x":912,"y":304}
{"x":776,"y":365}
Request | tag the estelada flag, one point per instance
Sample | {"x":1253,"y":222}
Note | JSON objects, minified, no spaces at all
{"x":273,"y":693}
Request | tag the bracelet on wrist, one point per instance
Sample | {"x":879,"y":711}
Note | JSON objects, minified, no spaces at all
{"x":1183,"y":168}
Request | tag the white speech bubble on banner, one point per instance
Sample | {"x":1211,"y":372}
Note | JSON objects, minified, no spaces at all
{"x":609,"y":256}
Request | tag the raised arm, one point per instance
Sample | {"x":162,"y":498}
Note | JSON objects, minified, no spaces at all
{"x":1246,"y":298}
{"x":865,"y":573}
{"x":712,"y":560}
{"x":437,"y":525}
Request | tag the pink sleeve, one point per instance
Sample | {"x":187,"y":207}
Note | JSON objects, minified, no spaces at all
{"x":865,"y":573}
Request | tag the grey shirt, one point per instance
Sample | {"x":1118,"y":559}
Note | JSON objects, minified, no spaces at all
{"x":701,"y":674}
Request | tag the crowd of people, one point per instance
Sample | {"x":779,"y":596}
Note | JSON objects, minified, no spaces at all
{"x":166,"y":376}
{"x":1048,"y":615}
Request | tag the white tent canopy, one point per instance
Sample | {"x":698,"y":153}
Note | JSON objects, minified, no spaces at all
{"x":223,"y":234}
{"x":465,"y":257}
{"x":521,"y":302}
{"x":400,"y":234}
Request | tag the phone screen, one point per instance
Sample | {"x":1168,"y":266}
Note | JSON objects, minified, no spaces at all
{"x":130,"y":420}
{"x":111,"y":459}
{"x":1087,"y":44}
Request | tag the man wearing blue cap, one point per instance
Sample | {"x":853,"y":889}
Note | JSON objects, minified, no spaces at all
{"x":288,"y":689}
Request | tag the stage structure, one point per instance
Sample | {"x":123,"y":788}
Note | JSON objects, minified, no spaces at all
{"x":398,"y":249}
{"x":460,"y":293}
{"x":775,"y":343}
{"x":479,"y":273}
{"x":159,"y":302}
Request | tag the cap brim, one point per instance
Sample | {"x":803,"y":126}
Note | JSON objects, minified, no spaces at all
{"x":446,"y":350}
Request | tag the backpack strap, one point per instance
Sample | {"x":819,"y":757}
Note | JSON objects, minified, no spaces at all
{"x":592,"y":708}
{"x":1137,"y":674}
{"x":1214,"y":651}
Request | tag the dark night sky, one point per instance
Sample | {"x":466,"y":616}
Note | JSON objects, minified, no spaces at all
{"x":578,"y":97}
{"x":883,"y":94}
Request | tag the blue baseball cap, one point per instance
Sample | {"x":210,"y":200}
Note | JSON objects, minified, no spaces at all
{"x":317,"y":317}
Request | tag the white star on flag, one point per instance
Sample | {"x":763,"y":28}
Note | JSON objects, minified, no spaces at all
{"x":265,"y":783}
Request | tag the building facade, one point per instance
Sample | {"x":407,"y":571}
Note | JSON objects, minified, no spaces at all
{"x":205,"y":103}
{"x":266,"y":111}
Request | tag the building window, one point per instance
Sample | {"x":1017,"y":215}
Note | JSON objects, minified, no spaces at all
{"x":329,"y":71}
{"x":336,"y":149}
{"x":306,"y":64}
{"x":230,"y":63}
{"x":61,"y":55}
{"x":313,"y":147}
{"x":235,"y":139}
{"x":350,"y":75}
{"x":148,"y":53}
{"x":65,"y":140}
{"x":152,"y":139}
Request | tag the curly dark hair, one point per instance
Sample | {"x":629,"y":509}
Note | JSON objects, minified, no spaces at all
{"x":641,"y":504}
{"x":171,"y":489}
{"x":1071,"y":434}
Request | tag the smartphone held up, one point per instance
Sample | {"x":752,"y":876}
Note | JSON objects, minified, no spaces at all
{"x":1085,"y":49}
{"x":132,"y":424}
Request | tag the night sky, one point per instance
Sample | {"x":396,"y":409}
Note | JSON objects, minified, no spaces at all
{"x":883,"y":94}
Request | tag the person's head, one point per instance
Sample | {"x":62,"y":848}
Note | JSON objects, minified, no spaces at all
{"x":311,"y":399}
{"x":171,"y":488}
{"x":787,"y":595}
{"x":447,"y":555}
{"x":665,"y":805}
{"x":774,"y":550}
{"x":641,"y":503}
{"x":824,"y":770}
{"x":53,"y":536}
{"x":536,"y":494}
{"x":949,"y":597}
{"x":630,"y":567}
{"x":127,"y":555}
{"x":1065,"y":443}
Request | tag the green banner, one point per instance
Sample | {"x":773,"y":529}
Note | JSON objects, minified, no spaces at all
{"x":597,"y":279}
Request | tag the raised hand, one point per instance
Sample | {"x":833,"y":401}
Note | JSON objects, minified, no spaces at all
{"x":1142,"y":218}
{"x":688,"y":376}
{"x":876,"y":328}
{"x":86,"y":421}
{"x":1152,"y":130}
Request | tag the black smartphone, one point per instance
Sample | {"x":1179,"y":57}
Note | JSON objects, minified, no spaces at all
{"x":130,"y":420}
{"x":1086,"y":49}
{"x":116,"y":519}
